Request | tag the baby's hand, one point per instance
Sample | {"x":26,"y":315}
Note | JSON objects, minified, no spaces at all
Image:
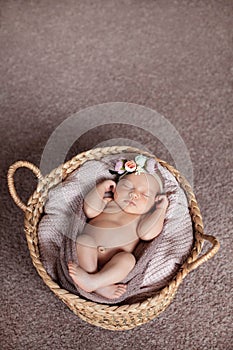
{"x":109,"y":189}
{"x":106,"y":186}
{"x":109,"y":186}
{"x":161,"y":201}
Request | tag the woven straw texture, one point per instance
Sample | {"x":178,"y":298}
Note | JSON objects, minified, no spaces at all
{"x":105,"y":316}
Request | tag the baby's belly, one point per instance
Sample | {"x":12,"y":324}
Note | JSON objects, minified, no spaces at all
{"x":110,"y":241}
{"x":112,"y":238}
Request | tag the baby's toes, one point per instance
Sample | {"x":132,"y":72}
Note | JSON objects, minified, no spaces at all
{"x":122,"y":286}
{"x":71,"y":268}
{"x":121,"y":289}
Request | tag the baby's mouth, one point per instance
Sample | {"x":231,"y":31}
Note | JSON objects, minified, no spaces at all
{"x":130,"y":202}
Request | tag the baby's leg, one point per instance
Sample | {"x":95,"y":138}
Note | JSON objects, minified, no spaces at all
{"x":103,"y":282}
{"x":87,"y":253}
{"x":116,"y":269}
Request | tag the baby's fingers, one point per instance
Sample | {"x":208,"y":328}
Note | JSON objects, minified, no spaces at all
{"x":161,"y":201}
{"x":110,"y":185}
{"x":160,"y":197}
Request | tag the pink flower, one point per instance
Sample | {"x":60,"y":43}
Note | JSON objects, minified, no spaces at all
{"x":119,"y":167}
{"x":130,"y":166}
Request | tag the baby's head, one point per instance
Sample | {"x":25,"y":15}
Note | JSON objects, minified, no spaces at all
{"x":138,"y":184}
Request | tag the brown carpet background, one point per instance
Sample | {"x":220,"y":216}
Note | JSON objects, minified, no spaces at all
{"x":59,"y":57}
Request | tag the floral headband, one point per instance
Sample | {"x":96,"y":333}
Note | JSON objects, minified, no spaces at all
{"x":140,"y":164}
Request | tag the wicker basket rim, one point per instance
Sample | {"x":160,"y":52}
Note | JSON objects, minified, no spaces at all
{"x":34,"y":209}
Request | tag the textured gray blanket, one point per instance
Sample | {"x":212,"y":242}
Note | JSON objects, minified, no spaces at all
{"x":157,"y":261}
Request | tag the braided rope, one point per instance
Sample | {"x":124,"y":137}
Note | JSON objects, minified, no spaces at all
{"x":10,"y":180}
{"x":108,"y":316}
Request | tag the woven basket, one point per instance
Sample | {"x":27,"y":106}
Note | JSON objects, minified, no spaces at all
{"x":111,"y":317}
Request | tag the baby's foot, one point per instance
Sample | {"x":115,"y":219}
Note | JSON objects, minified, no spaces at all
{"x":113,"y":291}
{"x":80,"y":277}
{"x":89,"y":283}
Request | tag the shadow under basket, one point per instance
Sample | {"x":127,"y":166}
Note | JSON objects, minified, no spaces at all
{"x":111,"y":317}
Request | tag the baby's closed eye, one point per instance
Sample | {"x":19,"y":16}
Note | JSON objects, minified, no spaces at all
{"x":148,"y":195}
{"x":127,"y":185}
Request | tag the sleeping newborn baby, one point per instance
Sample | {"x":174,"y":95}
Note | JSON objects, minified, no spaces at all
{"x":135,"y":211}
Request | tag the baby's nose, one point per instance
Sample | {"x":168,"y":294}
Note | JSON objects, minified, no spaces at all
{"x":134,"y":195}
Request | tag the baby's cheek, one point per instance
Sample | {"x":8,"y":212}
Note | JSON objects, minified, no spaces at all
{"x":115,"y":196}
{"x":150,"y":203}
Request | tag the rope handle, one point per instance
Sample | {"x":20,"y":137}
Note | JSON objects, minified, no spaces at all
{"x":10,"y":180}
{"x":208,"y":255}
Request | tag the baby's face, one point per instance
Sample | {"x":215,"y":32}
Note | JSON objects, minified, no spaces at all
{"x":135,"y":194}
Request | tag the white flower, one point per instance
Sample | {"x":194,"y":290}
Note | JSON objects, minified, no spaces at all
{"x":140,"y":160}
{"x":139,"y":170}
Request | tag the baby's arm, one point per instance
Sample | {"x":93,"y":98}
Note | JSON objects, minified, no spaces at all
{"x":152,"y":224}
{"x":94,"y":202}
